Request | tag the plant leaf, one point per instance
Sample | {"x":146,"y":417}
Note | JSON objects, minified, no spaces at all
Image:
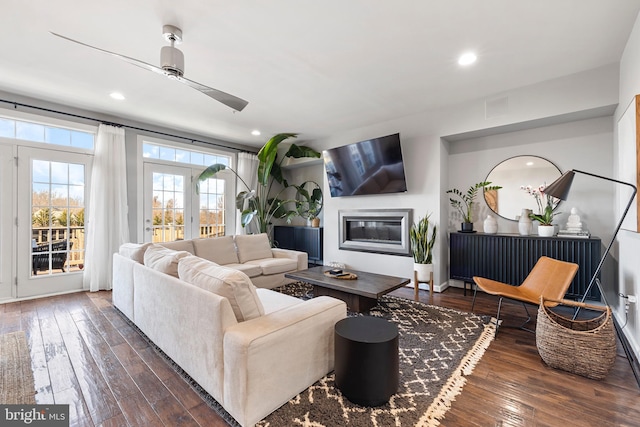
{"x":267,"y":156}
{"x":297,"y":152}
{"x":209,"y":172}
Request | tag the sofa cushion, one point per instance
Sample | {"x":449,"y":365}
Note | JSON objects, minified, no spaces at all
{"x":248,"y":269}
{"x":226,"y":282}
{"x":253,"y":246}
{"x":275,"y":265}
{"x":163,"y":259}
{"x":134,"y":251}
{"x":220,"y":250}
{"x":179,"y":245}
{"x":273,"y":301}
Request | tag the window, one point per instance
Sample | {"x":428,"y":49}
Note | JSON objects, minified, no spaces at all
{"x":47,"y":134}
{"x":180,"y":155}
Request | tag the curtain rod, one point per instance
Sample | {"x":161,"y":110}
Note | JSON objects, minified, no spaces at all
{"x":19,"y":104}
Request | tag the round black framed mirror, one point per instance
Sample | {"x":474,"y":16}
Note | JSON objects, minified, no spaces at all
{"x":512,"y":174}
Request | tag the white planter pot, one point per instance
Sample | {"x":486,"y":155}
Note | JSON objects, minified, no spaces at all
{"x":424,"y":271}
{"x":546,"y":230}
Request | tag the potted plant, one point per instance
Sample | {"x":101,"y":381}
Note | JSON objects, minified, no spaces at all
{"x":422,"y":240}
{"x":464,"y":202}
{"x":309,"y":201}
{"x":545,"y":213}
{"x":261,"y":204}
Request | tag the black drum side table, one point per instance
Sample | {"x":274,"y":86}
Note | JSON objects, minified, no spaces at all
{"x":366,"y":359}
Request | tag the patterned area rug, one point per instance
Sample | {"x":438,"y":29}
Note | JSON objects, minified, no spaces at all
{"x":438,"y":347}
{"x":16,"y":377}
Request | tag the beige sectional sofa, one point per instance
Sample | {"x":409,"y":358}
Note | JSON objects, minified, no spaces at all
{"x":250,"y":254}
{"x":252,"y":349}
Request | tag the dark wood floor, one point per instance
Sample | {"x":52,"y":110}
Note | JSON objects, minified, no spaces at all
{"x":84,"y":354}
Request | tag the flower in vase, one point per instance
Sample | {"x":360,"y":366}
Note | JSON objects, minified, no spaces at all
{"x":546,"y":204}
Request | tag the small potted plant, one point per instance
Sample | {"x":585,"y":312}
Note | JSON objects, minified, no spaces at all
{"x":422,"y":240}
{"x":464,"y":202}
{"x":309,"y":201}
{"x":545,"y":213}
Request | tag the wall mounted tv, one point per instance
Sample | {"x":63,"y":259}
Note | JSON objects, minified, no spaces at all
{"x":374,"y":166}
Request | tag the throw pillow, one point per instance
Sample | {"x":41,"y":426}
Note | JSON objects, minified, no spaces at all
{"x":220,"y":250}
{"x":162,"y":259}
{"x":134,"y":251}
{"x":231,"y":284}
{"x":253,"y":246}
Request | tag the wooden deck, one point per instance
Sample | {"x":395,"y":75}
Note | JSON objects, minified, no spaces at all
{"x":83,"y":353}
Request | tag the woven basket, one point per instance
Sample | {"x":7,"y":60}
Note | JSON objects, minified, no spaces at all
{"x":583,"y":347}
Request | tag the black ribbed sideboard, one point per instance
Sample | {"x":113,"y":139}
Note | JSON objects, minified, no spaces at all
{"x":509,"y":258}
{"x":305,"y":239}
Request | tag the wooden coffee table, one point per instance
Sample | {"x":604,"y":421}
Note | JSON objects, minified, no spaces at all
{"x":360,"y":294}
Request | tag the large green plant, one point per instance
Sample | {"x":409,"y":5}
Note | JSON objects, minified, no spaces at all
{"x":422,"y":240}
{"x":261,"y":204}
{"x":466,"y":200}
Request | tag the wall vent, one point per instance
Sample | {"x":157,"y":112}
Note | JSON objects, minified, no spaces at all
{"x":496,"y":107}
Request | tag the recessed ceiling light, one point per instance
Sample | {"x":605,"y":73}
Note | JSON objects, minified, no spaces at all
{"x":117,"y":95}
{"x":255,"y":132}
{"x":467,"y":58}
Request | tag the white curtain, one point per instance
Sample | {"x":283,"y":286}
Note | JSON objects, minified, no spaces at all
{"x":248,"y":171}
{"x":107,"y":227}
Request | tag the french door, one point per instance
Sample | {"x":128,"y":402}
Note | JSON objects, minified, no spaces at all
{"x":173,"y":210}
{"x":7,"y":251}
{"x":52,"y":194}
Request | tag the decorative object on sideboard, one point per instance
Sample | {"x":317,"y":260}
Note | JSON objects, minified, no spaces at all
{"x":490,"y":225}
{"x":546,"y":210}
{"x":260,"y":203}
{"x":546,"y":230}
{"x":560,"y":189}
{"x":525,"y":225}
{"x":464,"y":202}
{"x":573,"y":227}
{"x":309,"y":201}
{"x":423,"y":238}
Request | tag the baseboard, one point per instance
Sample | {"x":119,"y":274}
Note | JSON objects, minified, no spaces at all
{"x":628,"y":351}
{"x":425,"y":287}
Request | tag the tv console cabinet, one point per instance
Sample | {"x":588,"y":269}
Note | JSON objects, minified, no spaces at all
{"x":305,"y":239}
{"x":509,"y":258}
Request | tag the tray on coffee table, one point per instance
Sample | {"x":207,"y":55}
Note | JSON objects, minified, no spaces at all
{"x":360,"y":295}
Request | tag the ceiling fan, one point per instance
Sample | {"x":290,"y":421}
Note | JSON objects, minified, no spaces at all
{"x":172,"y":66}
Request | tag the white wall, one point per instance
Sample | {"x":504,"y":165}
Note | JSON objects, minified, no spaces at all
{"x":434,"y":142}
{"x":584,"y":145}
{"x":629,"y":242}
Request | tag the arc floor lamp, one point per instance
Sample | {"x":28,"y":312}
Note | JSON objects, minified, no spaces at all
{"x":560,"y":190}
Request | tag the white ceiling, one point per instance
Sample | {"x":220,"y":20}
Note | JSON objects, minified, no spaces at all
{"x":313,"y":67}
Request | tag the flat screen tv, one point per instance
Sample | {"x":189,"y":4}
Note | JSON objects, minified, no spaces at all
{"x":374,"y":166}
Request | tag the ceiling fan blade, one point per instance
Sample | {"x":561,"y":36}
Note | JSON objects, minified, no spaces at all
{"x":132,"y":61}
{"x":231,"y":101}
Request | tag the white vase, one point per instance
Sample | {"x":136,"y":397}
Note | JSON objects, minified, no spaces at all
{"x":424,"y":271}
{"x":525,"y":225}
{"x":546,"y":230}
{"x":490,"y":225}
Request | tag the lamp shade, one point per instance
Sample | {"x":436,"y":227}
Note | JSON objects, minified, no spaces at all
{"x":561,"y":186}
